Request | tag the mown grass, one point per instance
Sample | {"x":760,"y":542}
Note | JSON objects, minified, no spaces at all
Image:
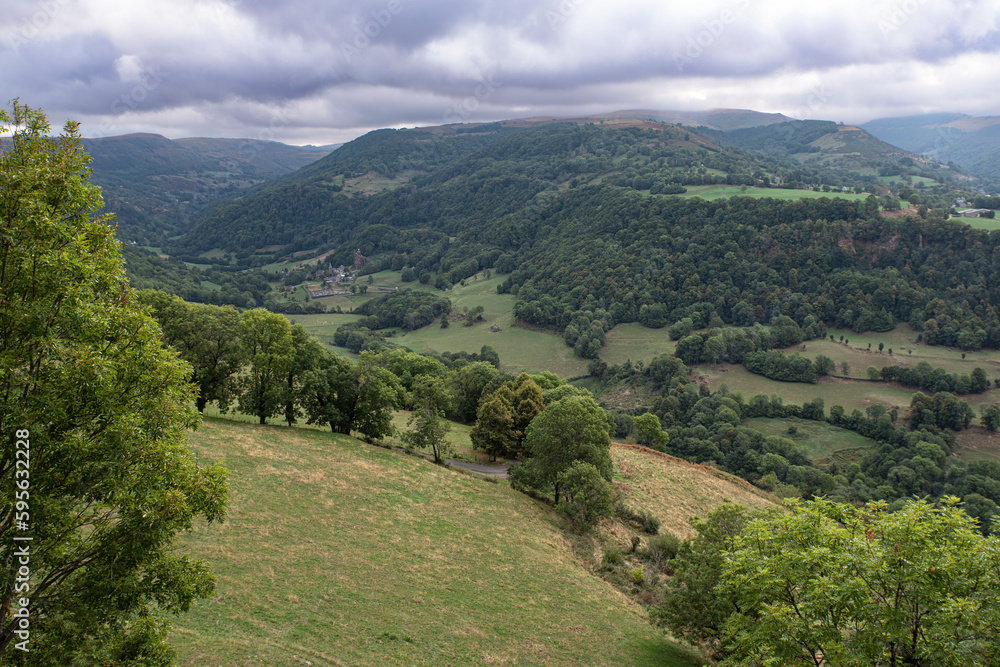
{"x":989,"y":224}
{"x":339,"y":553}
{"x":822,"y":442}
{"x":834,"y":391}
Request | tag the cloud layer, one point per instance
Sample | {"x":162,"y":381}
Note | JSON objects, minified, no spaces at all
{"x":319,"y":71}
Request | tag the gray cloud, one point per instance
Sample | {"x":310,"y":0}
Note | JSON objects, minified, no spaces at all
{"x":326,"y":71}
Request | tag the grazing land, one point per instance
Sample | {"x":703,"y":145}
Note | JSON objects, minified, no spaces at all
{"x":822,"y":442}
{"x":787,"y":194}
{"x":366,"y":556}
{"x":675,"y":490}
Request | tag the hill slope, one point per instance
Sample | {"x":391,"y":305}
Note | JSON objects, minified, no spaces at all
{"x":337,"y":552}
{"x":971,"y":142}
{"x":154,"y":184}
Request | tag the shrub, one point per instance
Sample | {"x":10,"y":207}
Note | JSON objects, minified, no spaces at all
{"x":661,"y":549}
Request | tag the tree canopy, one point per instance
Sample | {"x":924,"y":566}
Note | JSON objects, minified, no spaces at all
{"x":102,"y":407}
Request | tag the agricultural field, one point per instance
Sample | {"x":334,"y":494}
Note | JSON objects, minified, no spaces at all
{"x":726,"y":191}
{"x":520,"y":349}
{"x":366,"y":556}
{"x":822,"y":442}
{"x":636,"y":343}
{"x":834,"y":391}
{"x":989,"y":224}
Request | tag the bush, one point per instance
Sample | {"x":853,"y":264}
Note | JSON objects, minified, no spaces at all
{"x":643,"y":519}
{"x":612,"y":556}
{"x":661,"y":549}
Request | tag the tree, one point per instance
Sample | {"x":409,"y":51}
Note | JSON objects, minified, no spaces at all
{"x":826,"y":583}
{"x":207,"y":337}
{"x":691,"y":608}
{"x":494,"y":432}
{"x":991,"y":417}
{"x":329,"y":393}
{"x":306,"y":352}
{"x":650,"y":433}
{"x":95,"y":410}
{"x":427,"y":424}
{"x":569,"y":430}
{"x":587,"y":496}
{"x":267,"y":346}
{"x":379,"y":393}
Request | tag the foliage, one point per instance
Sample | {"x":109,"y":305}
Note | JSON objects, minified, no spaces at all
{"x":586,"y":496}
{"x":266,"y":344}
{"x":649,"y":433}
{"x":942,"y":410}
{"x":104,"y":479}
{"x":427,"y":424}
{"x":691,"y":608}
{"x":206,"y":337}
{"x":838,"y":584}
{"x":572,"y":429}
{"x":926,"y":377}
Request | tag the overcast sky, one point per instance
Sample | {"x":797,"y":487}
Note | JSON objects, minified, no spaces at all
{"x":325,"y":71}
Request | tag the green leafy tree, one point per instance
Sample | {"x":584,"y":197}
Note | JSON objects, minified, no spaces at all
{"x":468,"y":384}
{"x":329,"y":393}
{"x":428,"y":427}
{"x":306,"y":352}
{"x":93,"y":414}
{"x":691,"y":607}
{"x":572,"y":429}
{"x":587,"y":496}
{"x":207,"y":337}
{"x":991,"y":417}
{"x":267,"y":346}
{"x":379,"y":393}
{"x":826,"y":583}
{"x":650,"y":433}
{"x":494,"y":432}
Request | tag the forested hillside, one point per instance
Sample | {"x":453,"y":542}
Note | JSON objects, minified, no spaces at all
{"x":154,"y":185}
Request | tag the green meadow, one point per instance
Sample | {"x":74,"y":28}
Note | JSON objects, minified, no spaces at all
{"x":339,"y":553}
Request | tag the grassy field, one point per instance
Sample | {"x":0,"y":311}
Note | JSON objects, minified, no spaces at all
{"x":636,"y":342}
{"x":726,"y":191}
{"x":820,"y":440}
{"x":520,"y":349}
{"x":675,"y":490}
{"x":459,"y":436}
{"x":833,"y":391}
{"x":339,"y":553}
{"x":989,"y":224}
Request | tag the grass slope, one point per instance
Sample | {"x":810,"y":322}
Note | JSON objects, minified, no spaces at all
{"x":675,"y":490}
{"x":339,"y":553}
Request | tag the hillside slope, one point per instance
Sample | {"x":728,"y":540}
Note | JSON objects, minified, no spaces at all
{"x":153,"y":184}
{"x":969,"y":141}
{"x":336,"y":552}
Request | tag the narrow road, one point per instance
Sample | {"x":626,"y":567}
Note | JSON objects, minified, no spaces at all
{"x":499,"y":470}
{"x":495,"y":470}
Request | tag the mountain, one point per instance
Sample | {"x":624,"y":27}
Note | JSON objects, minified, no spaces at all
{"x":969,"y":141}
{"x":452,"y":177}
{"x":153,"y":184}
{"x":716,"y":119}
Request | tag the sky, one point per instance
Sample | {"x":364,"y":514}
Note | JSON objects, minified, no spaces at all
{"x":326,"y":71}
